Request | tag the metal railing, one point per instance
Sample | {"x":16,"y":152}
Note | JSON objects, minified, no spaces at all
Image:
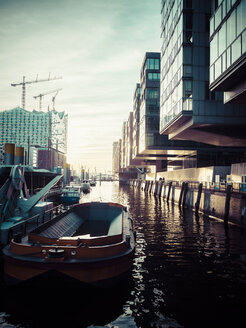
{"x":212,"y":186}
{"x":27,"y":225}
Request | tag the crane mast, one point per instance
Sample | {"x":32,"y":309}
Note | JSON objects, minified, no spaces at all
{"x":24,"y":82}
{"x":40,"y":96}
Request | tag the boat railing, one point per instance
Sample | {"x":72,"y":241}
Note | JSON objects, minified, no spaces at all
{"x":22,"y":228}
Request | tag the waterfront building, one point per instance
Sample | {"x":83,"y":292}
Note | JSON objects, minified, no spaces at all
{"x":189,"y":110}
{"x":115,"y":158}
{"x":129,"y":139}
{"x":155,"y":151}
{"x":46,"y":131}
{"x":228,"y":49}
{"x":136,"y":110}
{"x":123,"y":145}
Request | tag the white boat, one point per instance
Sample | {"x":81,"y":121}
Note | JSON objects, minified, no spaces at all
{"x":86,"y":186}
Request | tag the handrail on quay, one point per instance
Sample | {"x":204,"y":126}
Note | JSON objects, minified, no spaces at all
{"x":213,"y":186}
{"x":236,"y":187}
{"x":34,"y":221}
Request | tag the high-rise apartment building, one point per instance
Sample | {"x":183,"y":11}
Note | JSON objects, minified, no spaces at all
{"x":189,"y":111}
{"x":136,"y":110}
{"x":149,"y":102}
{"x":228,"y":49}
{"x":115,"y":158}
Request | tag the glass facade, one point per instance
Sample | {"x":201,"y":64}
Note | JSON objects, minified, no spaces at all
{"x":17,"y":125}
{"x":177,"y":60}
{"x":227,"y":36}
{"x":136,"y":104}
{"x":149,"y":117}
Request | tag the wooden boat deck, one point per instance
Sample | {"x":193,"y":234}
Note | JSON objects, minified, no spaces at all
{"x":66,"y":226}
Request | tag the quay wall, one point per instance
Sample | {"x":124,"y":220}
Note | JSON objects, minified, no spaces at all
{"x":193,"y":174}
{"x":225,"y":203}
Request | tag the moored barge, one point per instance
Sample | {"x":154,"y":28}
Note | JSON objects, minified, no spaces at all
{"x":92,"y":242}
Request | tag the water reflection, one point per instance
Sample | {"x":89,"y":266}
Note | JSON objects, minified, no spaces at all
{"x":189,"y":271}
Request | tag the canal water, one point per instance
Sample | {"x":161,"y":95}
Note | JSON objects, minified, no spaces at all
{"x":188,"y":272}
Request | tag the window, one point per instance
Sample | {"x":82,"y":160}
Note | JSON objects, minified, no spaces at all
{"x":153,"y":63}
{"x":154,"y":76}
{"x":228,"y":57}
{"x":214,"y":48}
{"x":244,"y":42}
{"x":236,"y":49}
{"x":228,"y":5}
{"x":187,"y":70}
{"x":217,"y":68}
{"x":222,"y":39}
{"x":153,"y":93}
{"x":150,"y":139}
{"x":187,"y":88}
{"x":187,"y":53}
{"x":217,"y":17}
{"x":241,"y":21}
{"x":231,"y":28}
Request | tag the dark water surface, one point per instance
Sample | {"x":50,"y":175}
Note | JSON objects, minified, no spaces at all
{"x":188,"y":272}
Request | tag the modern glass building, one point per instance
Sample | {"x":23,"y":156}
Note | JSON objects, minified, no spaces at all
{"x":228,"y":49}
{"x":136,"y":109}
{"x":188,"y":109}
{"x":39,"y":129}
{"x":149,"y":113}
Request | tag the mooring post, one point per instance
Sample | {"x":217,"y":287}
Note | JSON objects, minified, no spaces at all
{"x":156,"y":188}
{"x":227,"y":201}
{"x":160,"y":188}
{"x":199,"y":194}
{"x":151,"y":186}
{"x":185,"y":193}
{"x":169,"y":190}
{"x":181,"y":193}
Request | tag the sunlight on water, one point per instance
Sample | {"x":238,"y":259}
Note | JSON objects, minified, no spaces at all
{"x":188,"y":272}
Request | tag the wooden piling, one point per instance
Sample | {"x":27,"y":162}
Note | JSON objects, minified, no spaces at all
{"x":184,"y":194}
{"x":151,"y":186}
{"x":169,"y":190}
{"x":156,"y":188}
{"x":227,"y":202}
{"x":181,"y":194}
{"x":160,"y":184}
{"x":199,"y":194}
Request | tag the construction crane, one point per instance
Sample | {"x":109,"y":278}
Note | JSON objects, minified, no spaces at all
{"x":40,"y":96}
{"x":24,"y":82}
{"x":54,"y":97}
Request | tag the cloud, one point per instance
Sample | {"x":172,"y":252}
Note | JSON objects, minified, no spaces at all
{"x":97,"y":46}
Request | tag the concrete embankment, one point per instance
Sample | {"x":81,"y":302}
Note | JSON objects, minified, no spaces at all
{"x":224,"y":201}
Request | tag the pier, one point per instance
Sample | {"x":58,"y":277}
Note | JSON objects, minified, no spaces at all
{"x":225,"y":201}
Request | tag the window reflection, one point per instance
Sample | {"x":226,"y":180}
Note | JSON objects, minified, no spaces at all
{"x":228,"y":41}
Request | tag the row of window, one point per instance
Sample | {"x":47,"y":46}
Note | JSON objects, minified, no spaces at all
{"x":152,"y":63}
{"x":222,"y":8}
{"x":230,"y":30}
{"x":228,"y":57}
{"x":153,"y":76}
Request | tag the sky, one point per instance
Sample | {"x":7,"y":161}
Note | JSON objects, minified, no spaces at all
{"x":96,"y":46}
